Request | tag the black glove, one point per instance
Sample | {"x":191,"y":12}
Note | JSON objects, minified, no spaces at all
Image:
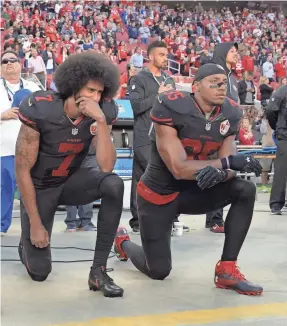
{"x":245,"y":163}
{"x":209,"y":177}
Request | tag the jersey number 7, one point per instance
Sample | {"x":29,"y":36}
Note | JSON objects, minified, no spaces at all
{"x":62,"y":170}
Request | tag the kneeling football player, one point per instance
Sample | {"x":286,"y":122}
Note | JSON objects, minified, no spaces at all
{"x":192,"y":171}
{"x":54,"y":139}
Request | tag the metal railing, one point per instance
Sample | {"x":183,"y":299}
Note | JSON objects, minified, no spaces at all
{"x":34,"y":79}
{"x":192,"y":71}
{"x":171,"y":63}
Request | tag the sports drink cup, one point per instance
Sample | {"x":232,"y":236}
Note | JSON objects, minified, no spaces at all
{"x":178,"y":229}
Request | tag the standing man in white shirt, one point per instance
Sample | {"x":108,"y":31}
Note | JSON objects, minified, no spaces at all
{"x":268,"y":69}
{"x":37,"y":66}
{"x":10,"y":83}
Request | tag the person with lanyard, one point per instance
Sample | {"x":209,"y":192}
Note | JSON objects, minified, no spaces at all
{"x":143,"y":89}
{"x":12,"y":90}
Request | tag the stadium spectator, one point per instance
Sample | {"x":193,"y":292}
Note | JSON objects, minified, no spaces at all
{"x":12,"y":90}
{"x":280,"y":69}
{"x":246,"y":89}
{"x":268,"y":69}
{"x":125,"y":80}
{"x":265,"y":90}
{"x":37,"y":66}
{"x":245,"y":133}
{"x":137,"y":59}
{"x":277,"y":117}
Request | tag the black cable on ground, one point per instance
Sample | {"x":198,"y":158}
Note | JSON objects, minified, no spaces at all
{"x":58,"y":261}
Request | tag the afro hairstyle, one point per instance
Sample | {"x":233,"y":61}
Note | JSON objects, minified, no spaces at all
{"x":78,"y":69}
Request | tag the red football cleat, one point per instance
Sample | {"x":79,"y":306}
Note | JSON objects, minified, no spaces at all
{"x":121,"y":236}
{"x":217,"y":228}
{"x":228,"y":276}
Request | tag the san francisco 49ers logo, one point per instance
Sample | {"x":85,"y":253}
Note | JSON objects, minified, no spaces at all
{"x":224,"y":127}
{"x":93,"y":128}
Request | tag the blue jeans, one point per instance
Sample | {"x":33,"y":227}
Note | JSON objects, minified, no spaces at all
{"x":85,"y":215}
{"x":50,"y":71}
{"x":8,"y":187}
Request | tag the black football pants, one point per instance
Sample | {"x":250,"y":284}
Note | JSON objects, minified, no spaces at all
{"x":140,"y":162}
{"x":154,"y":257}
{"x":83,"y":187}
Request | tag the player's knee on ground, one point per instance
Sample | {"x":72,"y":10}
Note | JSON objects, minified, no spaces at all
{"x":40,"y":272}
{"x":38,"y":264}
{"x":112,"y":186}
{"x":37,"y":278}
{"x":160,"y":274}
{"x":244,"y":189}
{"x":159,"y":271}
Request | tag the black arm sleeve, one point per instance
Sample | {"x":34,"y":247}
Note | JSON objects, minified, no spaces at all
{"x":140,"y":104}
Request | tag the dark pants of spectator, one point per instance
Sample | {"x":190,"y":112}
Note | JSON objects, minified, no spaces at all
{"x":140,"y":162}
{"x":215,"y":217}
{"x":277,"y":197}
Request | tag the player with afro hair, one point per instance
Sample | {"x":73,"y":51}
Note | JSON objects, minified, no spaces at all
{"x":76,"y":71}
{"x":58,"y":129}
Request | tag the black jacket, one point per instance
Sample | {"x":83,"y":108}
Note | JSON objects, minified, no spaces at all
{"x":143,"y":89}
{"x":219,"y":57}
{"x":276,"y":113}
{"x":265,"y":91}
{"x":242,"y":91}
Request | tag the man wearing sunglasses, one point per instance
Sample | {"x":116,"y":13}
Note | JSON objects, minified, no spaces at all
{"x":10,"y":84}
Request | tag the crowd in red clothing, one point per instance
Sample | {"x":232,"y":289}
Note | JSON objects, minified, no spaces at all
{"x":59,"y":28}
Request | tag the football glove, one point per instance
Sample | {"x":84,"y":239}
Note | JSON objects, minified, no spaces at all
{"x":244,"y":163}
{"x":210,"y":176}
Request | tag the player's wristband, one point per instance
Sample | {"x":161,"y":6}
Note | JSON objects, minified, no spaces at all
{"x":225,"y":175}
{"x":225,"y":163}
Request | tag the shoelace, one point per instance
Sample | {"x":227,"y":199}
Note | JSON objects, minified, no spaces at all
{"x":237,"y":274}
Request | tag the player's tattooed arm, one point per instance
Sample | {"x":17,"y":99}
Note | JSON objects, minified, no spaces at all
{"x":104,"y":147}
{"x":26,"y":155}
{"x":174,"y":156}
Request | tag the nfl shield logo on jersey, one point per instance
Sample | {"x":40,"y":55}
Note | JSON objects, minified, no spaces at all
{"x":74,"y":131}
{"x":224,"y":127}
